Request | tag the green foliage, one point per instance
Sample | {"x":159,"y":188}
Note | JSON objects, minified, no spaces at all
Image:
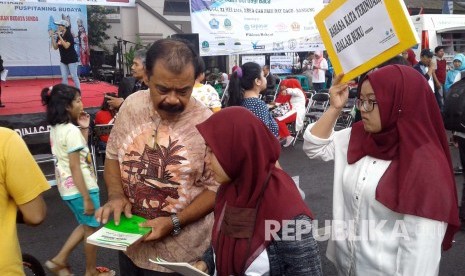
{"x":131,"y":52}
{"x":97,"y":26}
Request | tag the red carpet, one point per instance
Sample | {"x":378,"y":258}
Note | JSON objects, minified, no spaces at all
{"x":23,"y":96}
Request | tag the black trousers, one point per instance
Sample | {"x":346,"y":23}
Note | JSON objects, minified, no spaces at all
{"x":461,"y":142}
{"x":128,"y":268}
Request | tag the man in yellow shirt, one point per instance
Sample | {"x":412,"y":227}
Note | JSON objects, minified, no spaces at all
{"x":21,"y":185}
{"x":205,"y":93}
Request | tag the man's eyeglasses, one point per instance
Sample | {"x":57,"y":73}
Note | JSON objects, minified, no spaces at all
{"x":368,"y":105}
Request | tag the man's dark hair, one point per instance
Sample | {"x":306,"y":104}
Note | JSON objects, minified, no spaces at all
{"x":200,"y":67}
{"x":267,"y":67}
{"x":176,"y":53}
{"x":427,"y":53}
{"x":57,"y":100}
{"x":437,"y":49}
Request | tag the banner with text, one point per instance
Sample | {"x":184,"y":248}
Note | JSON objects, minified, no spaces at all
{"x":122,"y":3}
{"x":361,"y":34}
{"x":360,"y":24}
{"x":281,"y":64}
{"x":25,"y":44}
{"x":228,"y":27}
{"x":259,"y":59}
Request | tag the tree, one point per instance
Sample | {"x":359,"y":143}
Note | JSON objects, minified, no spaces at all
{"x":97,"y":26}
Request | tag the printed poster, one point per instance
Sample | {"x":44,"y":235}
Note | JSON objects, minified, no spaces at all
{"x":228,"y":27}
{"x":25,"y":45}
{"x":122,"y":3}
{"x":361,"y":34}
{"x":281,"y":64}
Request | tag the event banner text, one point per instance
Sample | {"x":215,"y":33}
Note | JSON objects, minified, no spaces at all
{"x":255,"y":26}
{"x":122,"y":3}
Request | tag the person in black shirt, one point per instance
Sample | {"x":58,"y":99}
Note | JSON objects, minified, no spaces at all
{"x":63,"y":41}
{"x":129,"y":85}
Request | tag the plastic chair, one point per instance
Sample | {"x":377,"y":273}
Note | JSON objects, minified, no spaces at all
{"x":44,"y":157}
{"x":318,"y":105}
{"x":96,"y":151}
{"x":346,"y":117}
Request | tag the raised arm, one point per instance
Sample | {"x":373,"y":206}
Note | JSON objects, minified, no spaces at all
{"x":339,"y":93}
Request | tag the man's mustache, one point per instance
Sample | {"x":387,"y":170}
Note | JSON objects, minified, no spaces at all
{"x":170,"y":108}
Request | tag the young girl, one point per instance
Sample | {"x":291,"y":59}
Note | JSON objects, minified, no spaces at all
{"x":245,"y":86}
{"x":76,"y":181}
{"x":253,"y":192}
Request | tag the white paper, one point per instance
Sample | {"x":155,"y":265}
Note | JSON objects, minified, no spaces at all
{"x":181,"y":268}
{"x":4,"y":74}
{"x":360,"y":30}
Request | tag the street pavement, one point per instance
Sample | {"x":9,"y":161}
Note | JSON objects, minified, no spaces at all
{"x":315,"y":178}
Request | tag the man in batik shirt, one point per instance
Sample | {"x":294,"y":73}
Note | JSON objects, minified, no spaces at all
{"x":155,"y":165}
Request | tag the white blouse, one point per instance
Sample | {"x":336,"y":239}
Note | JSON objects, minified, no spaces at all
{"x":367,"y":238}
{"x":259,"y":267}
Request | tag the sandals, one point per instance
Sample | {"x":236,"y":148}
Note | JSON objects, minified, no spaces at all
{"x":64,"y":270}
{"x":58,"y":269}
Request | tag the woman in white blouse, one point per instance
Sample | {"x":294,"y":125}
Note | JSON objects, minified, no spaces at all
{"x":394,"y":197}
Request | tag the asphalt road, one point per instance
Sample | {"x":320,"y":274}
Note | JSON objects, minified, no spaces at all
{"x":315,"y":177}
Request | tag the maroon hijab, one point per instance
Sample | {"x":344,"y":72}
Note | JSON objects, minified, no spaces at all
{"x":411,"y":57}
{"x":419,"y":181}
{"x":259,"y":191}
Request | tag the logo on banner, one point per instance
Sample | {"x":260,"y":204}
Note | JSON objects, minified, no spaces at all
{"x":280,"y":27}
{"x":292,"y":44}
{"x":214,"y":24}
{"x":278,"y":46}
{"x":205,"y":46}
{"x":255,"y":46}
{"x":295,"y":26}
{"x":246,"y":27}
{"x":227,"y":24}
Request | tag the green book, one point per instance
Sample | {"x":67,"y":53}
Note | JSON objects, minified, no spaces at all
{"x":120,"y":236}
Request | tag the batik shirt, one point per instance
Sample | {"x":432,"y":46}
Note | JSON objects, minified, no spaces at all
{"x":163,"y":170}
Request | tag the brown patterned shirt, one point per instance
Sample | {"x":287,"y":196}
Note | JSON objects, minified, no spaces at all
{"x":163,"y":169}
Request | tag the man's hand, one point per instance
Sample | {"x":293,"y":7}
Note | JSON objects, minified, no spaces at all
{"x":161,"y":227}
{"x":116,"y":205}
{"x":202,"y":266}
{"x":114,"y":101}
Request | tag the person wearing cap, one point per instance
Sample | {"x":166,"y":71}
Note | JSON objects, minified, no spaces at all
{"x":426,"y":66}
{"x":63,"y":41}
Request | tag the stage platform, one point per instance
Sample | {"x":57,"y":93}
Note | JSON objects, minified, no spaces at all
{"x":23,"y":96}
{"x":24,"y":113}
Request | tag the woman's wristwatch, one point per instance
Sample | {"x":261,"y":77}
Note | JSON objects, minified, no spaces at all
{"x":176,"y":225}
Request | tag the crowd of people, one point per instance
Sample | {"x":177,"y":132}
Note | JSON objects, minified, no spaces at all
{"x":206,"y":176}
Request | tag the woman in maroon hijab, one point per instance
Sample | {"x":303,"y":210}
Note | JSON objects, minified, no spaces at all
{"x":394,"y":189}
{"x":254,"y":194}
